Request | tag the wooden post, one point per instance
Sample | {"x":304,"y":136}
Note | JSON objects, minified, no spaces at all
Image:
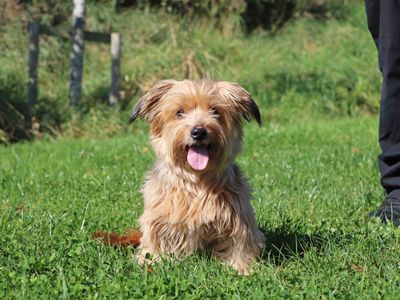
{"x":115,"y":68}
{"x":78,"y":26}
{"x":33,"y":29}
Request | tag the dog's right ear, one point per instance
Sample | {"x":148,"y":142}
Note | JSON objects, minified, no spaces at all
{"x":144,"y":108}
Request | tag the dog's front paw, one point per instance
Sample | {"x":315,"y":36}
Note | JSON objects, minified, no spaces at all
{"x":242,"y":268}
{"x":145,"y":257}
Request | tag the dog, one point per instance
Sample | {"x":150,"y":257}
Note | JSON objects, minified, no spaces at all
{"x":195,"y":196}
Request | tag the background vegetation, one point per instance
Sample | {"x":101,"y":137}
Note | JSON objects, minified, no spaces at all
{"x":311,"y":66}
{"x":321,"y":61}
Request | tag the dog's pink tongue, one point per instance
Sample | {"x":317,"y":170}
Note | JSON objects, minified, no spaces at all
{"x":198,"y":157}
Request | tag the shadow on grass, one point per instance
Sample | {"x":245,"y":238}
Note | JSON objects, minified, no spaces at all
{"x":13,"y":110}
{"x":288,"y":241}
{"x":100,"y":97}
{"x":17,"y":122}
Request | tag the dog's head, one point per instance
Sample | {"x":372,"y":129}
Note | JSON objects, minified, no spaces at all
{"x":196,"y":125}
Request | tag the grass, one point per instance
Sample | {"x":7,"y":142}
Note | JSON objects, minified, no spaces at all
{"x":312,"y":165}
{"x":314,"y":182}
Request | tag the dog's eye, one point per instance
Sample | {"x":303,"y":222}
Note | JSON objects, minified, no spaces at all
{"x":215,"y":111}
{"x":180,"y":113}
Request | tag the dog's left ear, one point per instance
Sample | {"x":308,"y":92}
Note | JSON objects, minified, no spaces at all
{"x":145,"y":107}
{"x":241,"y":100}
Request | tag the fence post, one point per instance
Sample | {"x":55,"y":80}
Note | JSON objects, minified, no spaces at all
{"x":115,"y":68}
{"x":33,"y":29}
{"x":78,"y":26}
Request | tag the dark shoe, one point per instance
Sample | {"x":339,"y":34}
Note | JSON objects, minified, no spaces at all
{"x":389,"y":209}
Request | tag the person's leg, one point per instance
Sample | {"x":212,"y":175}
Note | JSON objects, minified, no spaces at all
{"x":373,"y":17}
{"x":384,"y":24}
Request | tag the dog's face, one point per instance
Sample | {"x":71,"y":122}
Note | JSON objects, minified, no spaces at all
{"x":196,"y":125}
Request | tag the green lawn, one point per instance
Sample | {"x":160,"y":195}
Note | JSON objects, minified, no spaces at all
{"x":314,"y":182}
{"x":312,"y":165}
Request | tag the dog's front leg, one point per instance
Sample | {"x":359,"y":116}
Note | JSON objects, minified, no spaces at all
{"x":229,"y":255}
{"x":240,"y":251}
{"x":148,"y":251}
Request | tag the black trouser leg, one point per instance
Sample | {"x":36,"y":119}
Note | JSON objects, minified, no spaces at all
{"x":384,"y":24}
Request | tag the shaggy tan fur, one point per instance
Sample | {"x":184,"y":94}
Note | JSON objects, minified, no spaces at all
{"x":188,"y":206}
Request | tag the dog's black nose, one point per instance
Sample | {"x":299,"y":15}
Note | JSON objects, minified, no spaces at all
{"x":198,"y":134}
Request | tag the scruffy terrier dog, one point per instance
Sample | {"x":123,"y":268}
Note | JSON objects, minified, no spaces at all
{"x":195,"y":196}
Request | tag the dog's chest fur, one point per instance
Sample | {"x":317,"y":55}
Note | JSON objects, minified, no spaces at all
{"x":183,"y":209}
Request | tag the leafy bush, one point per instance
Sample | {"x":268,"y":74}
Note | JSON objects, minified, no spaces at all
{"x":339,"y":9}
{"x":51,"y":12}
{"x":266,"y":14}
{"x":13,"y":109}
